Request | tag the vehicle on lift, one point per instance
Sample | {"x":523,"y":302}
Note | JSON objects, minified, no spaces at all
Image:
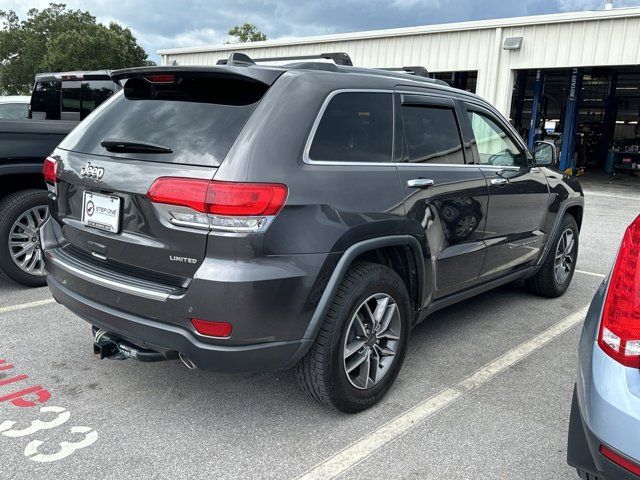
{"x":24,"y":144}
{"x":605,"y":413}
{"x":311,"y":217}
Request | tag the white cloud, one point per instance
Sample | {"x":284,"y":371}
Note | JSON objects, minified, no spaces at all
{"x":576,"y":5}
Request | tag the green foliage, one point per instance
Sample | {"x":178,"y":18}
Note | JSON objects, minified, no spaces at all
{"x":246,"y":33}
{"x":57,"y":39}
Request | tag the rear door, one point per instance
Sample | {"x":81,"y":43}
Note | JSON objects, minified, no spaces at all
{"x":190,"y":122}
{"x":519,"y":194}
{"x":444,"y":195}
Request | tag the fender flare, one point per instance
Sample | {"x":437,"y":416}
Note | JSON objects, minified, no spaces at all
{"x":561,"y":213}
{"x":345,"y":262}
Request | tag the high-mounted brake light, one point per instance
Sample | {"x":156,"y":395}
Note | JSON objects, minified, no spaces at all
{"x":230,"y":206}
{"x":161,"y":78}
{"x":50,"y":170}
{"x":619,"y":335}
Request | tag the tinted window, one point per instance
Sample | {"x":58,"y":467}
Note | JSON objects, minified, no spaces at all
{"x":13,"y":110}
{"x":198,"y":119}
{"x":93,"y":93}
{"x":431,"y":134}
{"x":355,"y":127}
{"x":71,"y":100}
{"x":45,"y":101}
{"x":495,"y":146}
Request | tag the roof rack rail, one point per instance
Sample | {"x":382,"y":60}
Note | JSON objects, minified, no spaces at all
{"x":241,"y":59}
{"x":417,"y":71}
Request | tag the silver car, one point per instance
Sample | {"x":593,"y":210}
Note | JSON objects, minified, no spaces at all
{"x":604,"y":430}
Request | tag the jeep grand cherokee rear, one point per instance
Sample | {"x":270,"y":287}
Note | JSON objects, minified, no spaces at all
{"x":145,"y":245}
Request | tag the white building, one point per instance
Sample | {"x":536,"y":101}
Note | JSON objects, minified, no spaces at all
{"x":553,"y":44}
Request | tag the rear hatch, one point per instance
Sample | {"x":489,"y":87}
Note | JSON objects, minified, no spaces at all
{"x":164,"y":123}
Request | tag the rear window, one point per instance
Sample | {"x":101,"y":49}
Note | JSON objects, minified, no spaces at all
{"x":69,"y":99}
{"x":355,"y":127}
{"x":197,"y":118}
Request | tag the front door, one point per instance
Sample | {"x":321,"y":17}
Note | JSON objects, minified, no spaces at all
{"x":442,"y":195}
{"x":518,"y":195}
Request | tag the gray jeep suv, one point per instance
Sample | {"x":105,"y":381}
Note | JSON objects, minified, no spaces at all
{"x":249,"y":218}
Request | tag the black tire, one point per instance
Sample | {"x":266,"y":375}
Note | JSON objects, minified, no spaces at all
{"x":544,"y":282}
{"x":11,"y":208}
{"x":321,"y":373}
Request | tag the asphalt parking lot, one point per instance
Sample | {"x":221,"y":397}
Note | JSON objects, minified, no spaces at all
{"x":484,"y":393}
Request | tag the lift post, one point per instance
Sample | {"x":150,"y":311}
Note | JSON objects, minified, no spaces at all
{"x":536,"y":107}
{"x":570,"y":126}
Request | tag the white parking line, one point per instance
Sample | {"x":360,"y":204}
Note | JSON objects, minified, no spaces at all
{"x":22,"y":306}
{"x":402,"y":424}
{"x":590,"y":273}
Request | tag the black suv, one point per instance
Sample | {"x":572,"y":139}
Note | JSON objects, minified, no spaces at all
{"x":250,"y":218}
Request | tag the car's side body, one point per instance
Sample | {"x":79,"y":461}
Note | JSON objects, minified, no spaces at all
{"x":276,"y":286}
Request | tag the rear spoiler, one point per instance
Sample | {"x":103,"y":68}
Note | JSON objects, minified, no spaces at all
{"x":264,"y":75}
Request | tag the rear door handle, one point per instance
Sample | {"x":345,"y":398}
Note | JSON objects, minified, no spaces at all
{"x":499,"y":181}
{"x":420,"y":183}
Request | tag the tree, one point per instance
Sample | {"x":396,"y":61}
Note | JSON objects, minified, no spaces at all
{"x":246,"y":33}
{"x":58,"y":39}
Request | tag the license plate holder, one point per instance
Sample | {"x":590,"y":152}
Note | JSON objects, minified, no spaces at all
{"x":101,"y":211}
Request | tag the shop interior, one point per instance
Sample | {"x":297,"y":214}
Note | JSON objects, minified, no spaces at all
{"x":591,"y":114}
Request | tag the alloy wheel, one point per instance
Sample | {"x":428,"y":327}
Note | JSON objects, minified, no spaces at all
{"x":372,"y":341}
{"x":564,"y":259}
{"x":24,"y":240}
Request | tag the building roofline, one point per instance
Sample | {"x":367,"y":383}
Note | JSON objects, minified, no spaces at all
{"x":583,"y":16}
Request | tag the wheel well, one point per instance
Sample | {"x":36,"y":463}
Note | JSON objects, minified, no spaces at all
{"x":401,"y":259}
{"x":576,"y":212}
{"x":14,"y":183}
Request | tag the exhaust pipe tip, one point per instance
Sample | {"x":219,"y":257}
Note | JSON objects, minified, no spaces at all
{"x":187,"y":362}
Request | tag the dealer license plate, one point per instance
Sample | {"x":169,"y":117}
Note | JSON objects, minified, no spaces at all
{"x":101,"y":211}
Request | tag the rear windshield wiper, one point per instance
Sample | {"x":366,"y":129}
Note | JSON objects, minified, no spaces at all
{"x":131,"y":146}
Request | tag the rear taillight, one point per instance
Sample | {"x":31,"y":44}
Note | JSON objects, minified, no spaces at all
{"x":619,"y":334}
{"x":229,"y":206}
{"x":50,"y":170}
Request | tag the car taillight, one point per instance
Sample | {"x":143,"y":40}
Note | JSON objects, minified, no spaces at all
{"x":212,"y":329}
{"x":229,"y":206}
{"x":50,"y":170}
{"x":619,"y":335}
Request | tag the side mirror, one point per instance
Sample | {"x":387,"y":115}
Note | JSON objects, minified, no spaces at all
{"x":544,"y":153}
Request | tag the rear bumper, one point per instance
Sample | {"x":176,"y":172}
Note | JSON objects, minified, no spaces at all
{"x":164,"y":337}
{"x":583,"y":450}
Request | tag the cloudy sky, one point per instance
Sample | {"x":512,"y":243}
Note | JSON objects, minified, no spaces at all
{"x":182,"y":23}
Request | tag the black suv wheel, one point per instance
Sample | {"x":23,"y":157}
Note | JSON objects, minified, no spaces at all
{"x":21,"y":215}
{"x":362,"y":342}
{"x":555,"y":274}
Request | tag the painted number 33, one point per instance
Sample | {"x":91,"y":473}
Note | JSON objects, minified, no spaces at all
{"x":86,"y":435}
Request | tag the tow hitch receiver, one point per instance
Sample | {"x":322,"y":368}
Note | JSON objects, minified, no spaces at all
{"x":107,"y":345}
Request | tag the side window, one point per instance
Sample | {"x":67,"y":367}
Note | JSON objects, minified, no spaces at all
{"x":45,"y":101}
{"x":94,"y":93}
{"x":430,"y":134}
{"x":71,"y":100}
{"x":495,"y":146}
{"x":355,"y":127}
